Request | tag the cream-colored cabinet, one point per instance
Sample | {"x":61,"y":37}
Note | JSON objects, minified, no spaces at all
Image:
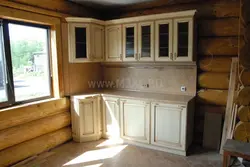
{"x":129,"y":37}
{"x":168,"y":125}
{"x":113,"y":43}
{"x":146,"y":41}
{"x":79,"y":42}
{"x":174,"y":40}
{"x":97,"y":43}
{"x":135,"y":120}
{"x":183,"y":39}
{"x":85,"y":115}
{"x":111,"y":117}
{"x":163,"y":40}
{"x":85,"y":40}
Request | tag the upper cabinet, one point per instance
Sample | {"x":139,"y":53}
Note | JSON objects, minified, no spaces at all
{"x":113,"y":43}
{"x":86,"y":40}
{"x":164,"y":37}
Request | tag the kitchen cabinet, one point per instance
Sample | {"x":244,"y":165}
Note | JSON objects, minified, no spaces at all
{"x":163,"y":40}
{"x":168,"y":125}
{"x":183,"y":39}
{"x":146,"y":41}
{"x":85,"y":41}
{"x":113,"y":43}
{"x":111,"y":117}
{"x":135,"y":120}
{"x":85,"y":115}
{"x":174,"y":40}
{"x":130,"y":42}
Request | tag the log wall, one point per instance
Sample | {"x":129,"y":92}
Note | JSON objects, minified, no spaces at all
{"x":35,"y":127}
{"x":217,"y":31}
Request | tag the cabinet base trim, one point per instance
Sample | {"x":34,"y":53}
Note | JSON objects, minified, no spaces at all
{"x":168,"y":150}
{"x":87,"y":138}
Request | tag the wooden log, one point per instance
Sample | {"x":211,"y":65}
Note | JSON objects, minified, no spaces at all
{"x":213,"y":97}
{"x":19,"y":115}
{"x":242,"y":131}
{"x":219,"y":27}
{"x":30,"y":130}
{"x":244,"y":113}
{"x":245,"y":56}
{"x":243,"y":96}
{"x":204,"y":10}
{"x":212,"y":80}
{"x":214,"y":64}
{"x":226,"y":46}
{"x":35,"y":146}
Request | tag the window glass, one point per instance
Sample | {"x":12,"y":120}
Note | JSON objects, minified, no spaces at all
{"x":30,"y":61}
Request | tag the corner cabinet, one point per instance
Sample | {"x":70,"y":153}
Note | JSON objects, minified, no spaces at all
{"x":85,"y":115}
{"x":85,"y":40}
{"x":111,"y":117}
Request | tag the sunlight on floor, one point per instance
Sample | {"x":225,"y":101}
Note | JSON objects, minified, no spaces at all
{"x":111,"y":142}
{"x":97,"y":155}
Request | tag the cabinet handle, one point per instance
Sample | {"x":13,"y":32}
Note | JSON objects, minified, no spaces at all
{"x":171,"y":56}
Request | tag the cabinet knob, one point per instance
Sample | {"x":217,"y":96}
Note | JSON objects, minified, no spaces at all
{"x":171,"y":56}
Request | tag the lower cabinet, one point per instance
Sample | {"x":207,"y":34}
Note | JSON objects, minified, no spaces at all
{"x":85,"y":115}
{"x":135,"y":120}
{"x":111,"y":117}
{"x":168,"y":125}
{"x":162,"y":126}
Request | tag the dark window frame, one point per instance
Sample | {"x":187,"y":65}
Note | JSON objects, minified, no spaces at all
{"x":7,"y":49}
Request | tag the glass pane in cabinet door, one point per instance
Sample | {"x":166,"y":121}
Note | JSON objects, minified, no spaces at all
{"x":183,"y":39}
{"x":130,"y":39}
{"x":81,"y":42}
{"x":164,"y":40}
{"x":145,"y":41}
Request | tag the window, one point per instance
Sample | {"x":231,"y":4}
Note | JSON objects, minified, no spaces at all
{"x":24,"y":62}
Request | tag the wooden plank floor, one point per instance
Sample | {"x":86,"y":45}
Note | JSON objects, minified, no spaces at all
{"x":108,"y":153}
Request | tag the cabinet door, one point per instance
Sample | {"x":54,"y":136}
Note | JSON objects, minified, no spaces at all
{"x":183,"y":39}
{"x":79,"y":42}
{"x":97,"y":48}
{"x":130,"y":42}
{"x":146,"y":41}
{"x":88,"y":117}
{"x":163,"y":40}
{"x":135,"y":120}
{"x":168,"y":125}
{"x":111,"y":117}
{"x":113,"y":43}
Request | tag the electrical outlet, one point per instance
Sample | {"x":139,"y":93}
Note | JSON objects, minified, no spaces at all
{"x":183,"y":88}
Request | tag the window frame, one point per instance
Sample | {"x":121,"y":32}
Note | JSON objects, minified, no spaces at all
{"x":8,"y":63}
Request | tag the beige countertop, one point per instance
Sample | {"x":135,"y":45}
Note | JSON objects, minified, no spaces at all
{"x":159,"y":97}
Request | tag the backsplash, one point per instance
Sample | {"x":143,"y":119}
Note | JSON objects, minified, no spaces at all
{"x":165,"y":79}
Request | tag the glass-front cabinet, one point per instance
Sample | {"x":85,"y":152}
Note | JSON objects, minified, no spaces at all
{"x":146,"y":41}
{"x":130,"y":42}
{"x":163,"y":40}
{"x":79,"y":42}
{"x":183,"y":39}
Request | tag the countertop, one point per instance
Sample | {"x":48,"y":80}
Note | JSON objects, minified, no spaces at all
{"x":159,"y":97}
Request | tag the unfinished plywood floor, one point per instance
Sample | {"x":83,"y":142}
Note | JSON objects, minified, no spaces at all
{"x":109,"y":153}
